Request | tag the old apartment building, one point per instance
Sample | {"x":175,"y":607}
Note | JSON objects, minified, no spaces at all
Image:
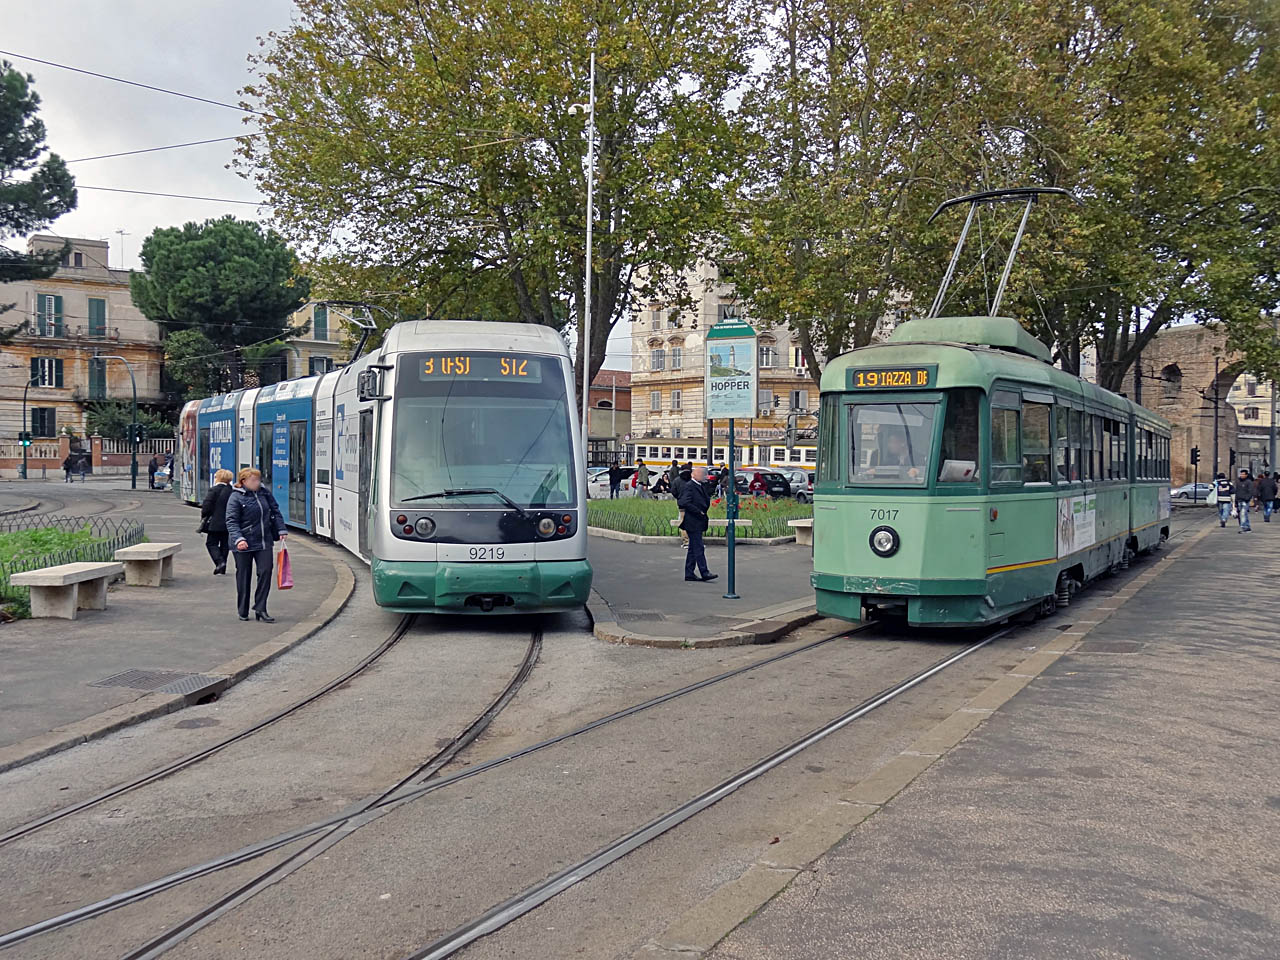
{"x":83,"y":310}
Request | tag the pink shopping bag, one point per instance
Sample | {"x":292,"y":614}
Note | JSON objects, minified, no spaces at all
{"x":284,"y":570}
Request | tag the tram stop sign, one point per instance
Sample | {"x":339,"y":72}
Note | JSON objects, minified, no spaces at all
{"x":731,"y":380}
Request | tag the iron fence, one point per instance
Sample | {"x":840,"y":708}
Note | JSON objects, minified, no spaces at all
{"x":108,"y":535}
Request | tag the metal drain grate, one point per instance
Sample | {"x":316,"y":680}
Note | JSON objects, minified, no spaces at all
{"x":629,"y":613}
{"x":161,"y":681}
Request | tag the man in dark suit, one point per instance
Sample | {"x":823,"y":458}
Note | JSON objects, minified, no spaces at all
{"x":695,"y":500}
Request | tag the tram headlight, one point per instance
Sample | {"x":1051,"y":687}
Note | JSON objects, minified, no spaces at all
{"x":885,"y":541}
{"x":546,"y":526}
{"x":425,"y":526}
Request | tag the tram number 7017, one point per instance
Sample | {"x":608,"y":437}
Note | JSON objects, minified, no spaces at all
{"x":486,"y":553}
{"x":879,"y":513}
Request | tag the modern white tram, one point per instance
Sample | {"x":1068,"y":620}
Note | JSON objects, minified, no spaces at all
{"x":449,"y":459}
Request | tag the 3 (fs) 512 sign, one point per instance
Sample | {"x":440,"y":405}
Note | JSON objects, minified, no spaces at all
{"x":731,"y":378}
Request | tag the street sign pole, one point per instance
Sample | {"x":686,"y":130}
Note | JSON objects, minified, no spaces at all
{"x":731,"y":393}
{"x":731,"y":514}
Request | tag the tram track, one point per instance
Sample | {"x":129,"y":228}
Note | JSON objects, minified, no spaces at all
{"x":424,"y":780}
{"x":190,"y":759}
{"x":534,"y":896}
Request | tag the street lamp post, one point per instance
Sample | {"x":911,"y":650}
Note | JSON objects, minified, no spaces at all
{"x":25,"y":428}
{"x":590,"y":108}
{"x":133,"y":435}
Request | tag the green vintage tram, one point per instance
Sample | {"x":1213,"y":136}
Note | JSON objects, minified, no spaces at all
{"x":963,"y":479}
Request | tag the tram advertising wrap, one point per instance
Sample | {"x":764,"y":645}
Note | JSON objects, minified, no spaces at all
{"x":449,"y":460}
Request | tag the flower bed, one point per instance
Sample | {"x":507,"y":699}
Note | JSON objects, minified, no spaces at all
{"x":652,"y":518}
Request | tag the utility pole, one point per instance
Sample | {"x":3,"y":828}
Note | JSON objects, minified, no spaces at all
{"x":1271,"y":449}
{"x":1216,"y":362}
{"x":590,"y":108}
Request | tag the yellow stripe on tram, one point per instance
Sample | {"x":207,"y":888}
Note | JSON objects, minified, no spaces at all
{"x":1021,"y":566}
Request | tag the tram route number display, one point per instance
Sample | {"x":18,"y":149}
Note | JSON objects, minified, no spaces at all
{"x":480,"y":366}
{"x":484,"y":552}
{"x":893,"y":378}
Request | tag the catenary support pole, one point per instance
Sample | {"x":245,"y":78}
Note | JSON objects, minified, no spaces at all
{"x":1216,"y":361}
{"x":586,"y":304}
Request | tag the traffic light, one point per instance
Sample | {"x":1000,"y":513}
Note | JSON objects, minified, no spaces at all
{"x":1195,"y":455}
{"x":136,"y":433}
{"x":1233,"y":458}
{"x":24,"y":438}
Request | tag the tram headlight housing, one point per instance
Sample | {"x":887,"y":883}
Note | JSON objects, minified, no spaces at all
{"x":425,"y":526}
{"x":884,"y":541}
{"x":546,"y":526}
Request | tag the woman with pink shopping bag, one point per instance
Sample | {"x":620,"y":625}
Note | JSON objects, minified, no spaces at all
{"x":254,"y":522}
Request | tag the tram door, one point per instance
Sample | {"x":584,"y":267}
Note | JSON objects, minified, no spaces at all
{"x":202,"y":465}
{"x":366,"y":476}
{"x":298,"y":471}
{"x":264,"y":452}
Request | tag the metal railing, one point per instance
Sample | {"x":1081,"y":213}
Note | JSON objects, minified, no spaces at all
{"x":148,"y":447}
{"x":108,"y":535}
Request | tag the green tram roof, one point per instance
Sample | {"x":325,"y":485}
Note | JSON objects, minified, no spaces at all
{"x":974,"y":352}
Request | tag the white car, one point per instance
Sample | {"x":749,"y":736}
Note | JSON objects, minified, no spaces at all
{"x":598,"y":483}
{"x":801,"y":484}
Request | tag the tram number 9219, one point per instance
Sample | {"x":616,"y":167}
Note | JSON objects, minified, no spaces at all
{"x":486,"y":553}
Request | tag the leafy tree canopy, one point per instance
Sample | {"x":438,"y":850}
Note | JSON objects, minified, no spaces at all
{"x":194,"y":364}
{"x":33,"y":192}
{"x":230,"y":279}
{"x":111,"y":419}
{"x":448,"y":158}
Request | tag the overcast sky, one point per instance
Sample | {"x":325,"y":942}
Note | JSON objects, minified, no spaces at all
{"x":193,"y":48}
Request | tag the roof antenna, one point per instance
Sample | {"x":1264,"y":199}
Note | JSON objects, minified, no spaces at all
{"x":1010,"y":194}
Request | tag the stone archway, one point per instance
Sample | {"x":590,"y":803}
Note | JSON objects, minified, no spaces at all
{"x":1179,"y":370}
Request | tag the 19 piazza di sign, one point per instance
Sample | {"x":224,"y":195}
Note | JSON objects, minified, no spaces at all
{"x":731,"y":371}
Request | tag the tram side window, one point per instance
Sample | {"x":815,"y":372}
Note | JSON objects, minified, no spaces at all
{"x":1006,"y":463}
{"x":1078,"y":446}
{"x":828,"y":470}
{"x":1099,"y":469}
{"x":959,"y":461}
{"x":1061,"y":443}
{"x":1035,"y":443}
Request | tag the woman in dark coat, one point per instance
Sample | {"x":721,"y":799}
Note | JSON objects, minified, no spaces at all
{"x":213,"y":514}
{"x":254,"y":522}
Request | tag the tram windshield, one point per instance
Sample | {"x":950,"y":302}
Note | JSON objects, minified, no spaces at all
{"x":487,"y":423}
{"x":891,"y":442}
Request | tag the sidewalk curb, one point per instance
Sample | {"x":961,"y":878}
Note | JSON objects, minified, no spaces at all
{"x":608,"y":534}
{"x":26,"y":507}
{"x":708,"y":921}
{"x":606,"y":627}
{"x":151,"y":705}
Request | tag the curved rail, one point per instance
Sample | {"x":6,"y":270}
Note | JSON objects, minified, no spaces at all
{"x":193,"y":758}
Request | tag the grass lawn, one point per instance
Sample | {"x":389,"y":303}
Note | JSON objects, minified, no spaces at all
{"x":35,"y":543}
{"x":652,"y":518}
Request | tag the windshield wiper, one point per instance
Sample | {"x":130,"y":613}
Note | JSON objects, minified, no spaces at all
{"x":472,"y":492}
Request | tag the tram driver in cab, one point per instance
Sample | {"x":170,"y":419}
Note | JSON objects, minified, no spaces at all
{"x":892,"y":457}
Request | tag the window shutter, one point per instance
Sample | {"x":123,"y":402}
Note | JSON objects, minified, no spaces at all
{"x":57,"y":317}
{"x":35,"y":370}
{"x":97,"y":317}
{"x":57,"y":373}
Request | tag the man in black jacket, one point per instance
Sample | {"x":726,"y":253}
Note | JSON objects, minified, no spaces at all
{"x":1244,"y":494}
{"x":695,"y":500}
{"x":1267,"y":495}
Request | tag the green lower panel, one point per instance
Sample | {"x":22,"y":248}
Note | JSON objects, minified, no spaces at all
{"x":435,"y":587}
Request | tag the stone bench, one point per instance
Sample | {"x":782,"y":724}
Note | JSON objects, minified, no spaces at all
{"x":804,"y":531}
{"x":62,"y":590}
{"x":148,"y":564}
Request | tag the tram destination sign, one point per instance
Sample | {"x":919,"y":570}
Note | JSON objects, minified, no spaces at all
{"x":906,"y":377}
{"x":731,"y":375}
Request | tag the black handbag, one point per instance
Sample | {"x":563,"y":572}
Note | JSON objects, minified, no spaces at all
{"x":204,"y":525}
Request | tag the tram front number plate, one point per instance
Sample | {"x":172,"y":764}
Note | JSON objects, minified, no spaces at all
{"x":893,"y":378}
{"x":484,"y":552}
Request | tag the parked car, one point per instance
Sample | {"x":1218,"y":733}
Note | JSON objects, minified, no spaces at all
{"x":762,"y":483}
{"x":1192,"y":491}
{"x":801,"y":484}
{"x":598,"y":484}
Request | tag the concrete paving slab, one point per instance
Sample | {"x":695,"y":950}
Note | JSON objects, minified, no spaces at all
{"x":1121,"y":806}
{"x":48,"y":699}
{"x":643,"y":598}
